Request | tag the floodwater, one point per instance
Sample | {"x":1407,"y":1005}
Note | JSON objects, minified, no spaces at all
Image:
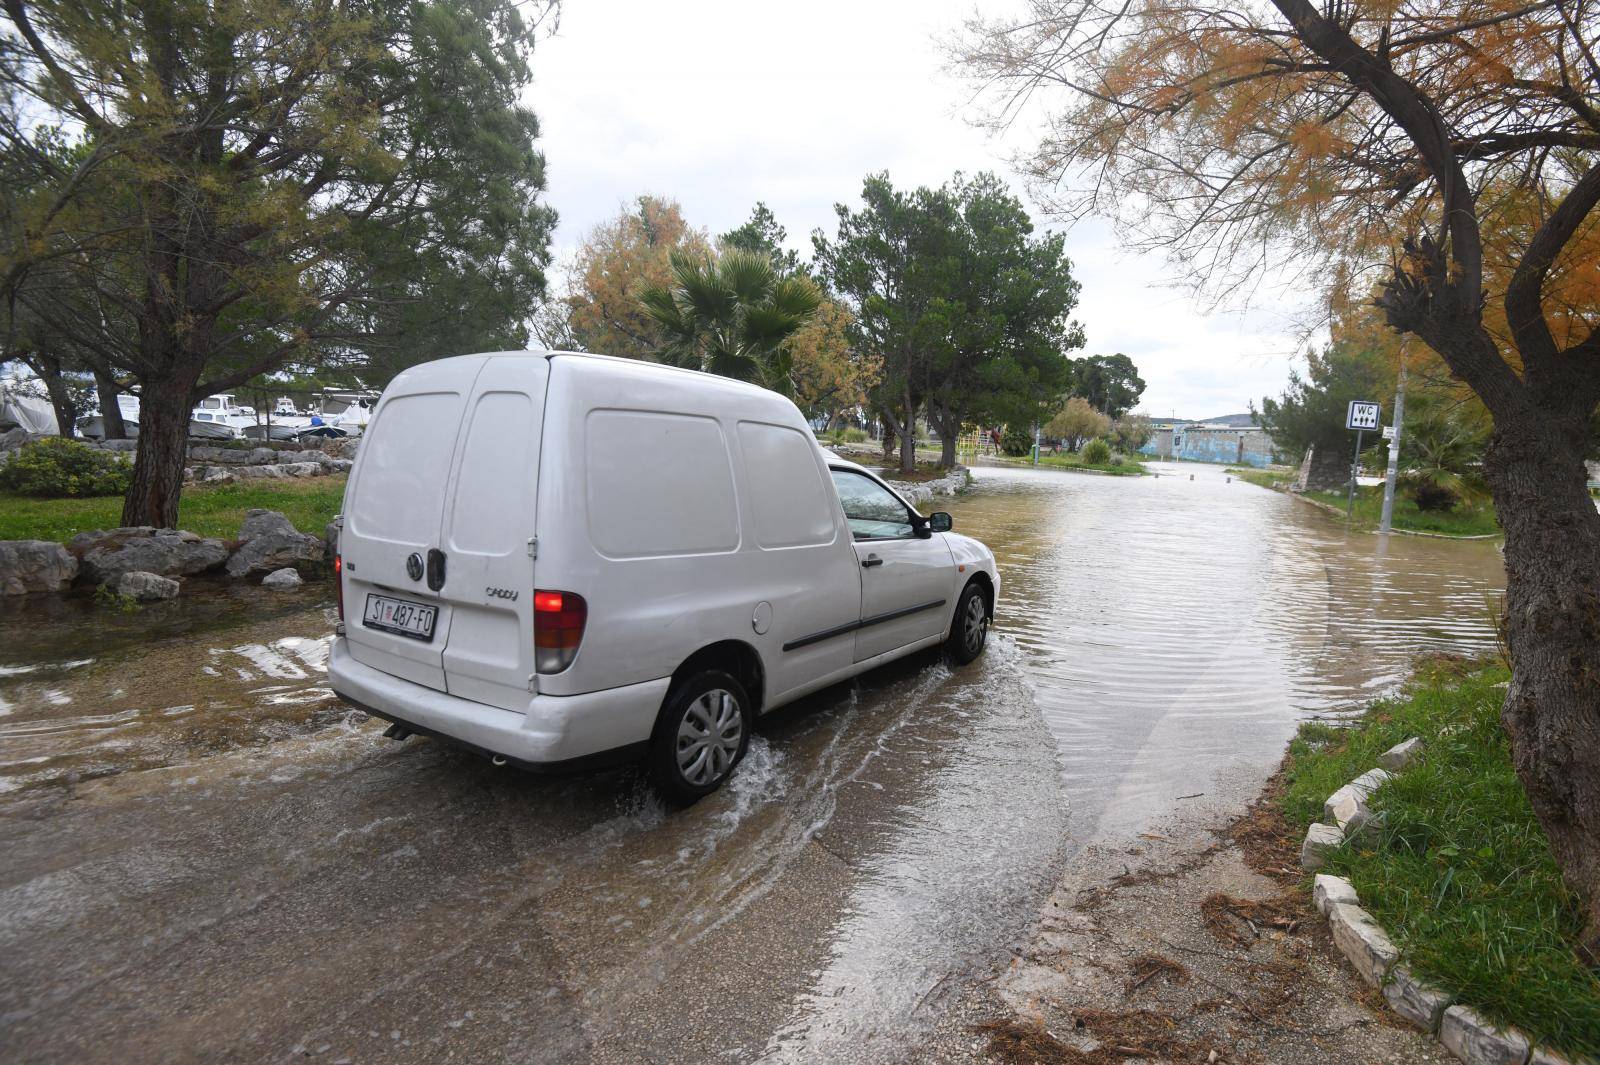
{"x":207,"y":858}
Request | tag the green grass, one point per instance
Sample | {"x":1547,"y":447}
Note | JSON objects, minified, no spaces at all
{"x":1263,"y":478}
{"x":1460,"y":873}
{"x":1071,"y":460}
{"x":309,"y":503}
{"x":1471,"y":518}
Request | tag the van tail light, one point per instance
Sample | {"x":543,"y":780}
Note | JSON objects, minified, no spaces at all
{"x":558,"y":620}
{"x":338,"y":582}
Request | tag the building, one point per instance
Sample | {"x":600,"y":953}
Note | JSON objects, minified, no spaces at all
{"x":1231,"y":445}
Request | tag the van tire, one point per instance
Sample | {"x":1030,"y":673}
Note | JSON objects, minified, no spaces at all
{"x":694,"y":707}
{"x":969,"y":626}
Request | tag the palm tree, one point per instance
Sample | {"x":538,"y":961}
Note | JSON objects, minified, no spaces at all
{"x":730,"y":316}
{"x":1443,"y":449}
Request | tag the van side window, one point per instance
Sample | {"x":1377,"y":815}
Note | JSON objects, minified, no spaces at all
{"x":788,"y":498}
{"x":872,"y":511}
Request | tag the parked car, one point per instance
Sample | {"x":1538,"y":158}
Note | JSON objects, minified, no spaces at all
{"x":563,"y":560}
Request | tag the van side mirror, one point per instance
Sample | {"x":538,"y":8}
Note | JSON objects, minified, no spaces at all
{"x":940,"y":521}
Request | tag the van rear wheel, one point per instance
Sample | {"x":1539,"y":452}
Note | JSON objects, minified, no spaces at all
{"x":700,"y":737}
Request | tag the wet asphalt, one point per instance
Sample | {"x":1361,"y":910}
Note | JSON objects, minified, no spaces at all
{"x":208,"y":859}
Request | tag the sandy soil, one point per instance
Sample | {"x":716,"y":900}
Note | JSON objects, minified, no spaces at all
{"x":1193,"y":943}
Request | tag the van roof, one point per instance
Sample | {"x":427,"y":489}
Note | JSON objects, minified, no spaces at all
{"x":638,"y":365}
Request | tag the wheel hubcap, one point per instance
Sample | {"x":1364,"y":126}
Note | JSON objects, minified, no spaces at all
{"x":977,"y":623}
{"x":709,"y":736}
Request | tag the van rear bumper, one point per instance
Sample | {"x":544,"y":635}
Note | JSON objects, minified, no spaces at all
{"x":557,"y":732}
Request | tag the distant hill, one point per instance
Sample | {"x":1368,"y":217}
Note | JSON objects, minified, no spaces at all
{"x":1241,"y":420}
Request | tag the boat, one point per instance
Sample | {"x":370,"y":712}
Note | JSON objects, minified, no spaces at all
{"x":93,"y":426}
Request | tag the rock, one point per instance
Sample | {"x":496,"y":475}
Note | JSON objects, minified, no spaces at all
{"x":1421,"y":1004}
{"x":1546,"y":1056}
{"x":1362,"y":940}
{"x":340,"y":465}
{"x":287,"y":577}
{"x":263,"y":456}
{"x":1400,"y":755}
{"x":1350,"y":802}
{"x":258,"y":521}
{"x":35,"y":566}
{"x":1321,"y":841}
{"x":13,"y":439}
{"x":1477,"y":1042}
{"x":302,"y":469}
{"x":1327,"y":890}
{"x":145,"y":587}
{"x":271,"y":542}
{"x":165,"y":552}
{"x":330,"y":538}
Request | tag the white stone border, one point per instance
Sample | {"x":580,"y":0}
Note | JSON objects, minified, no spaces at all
{"x":1373,"y":954}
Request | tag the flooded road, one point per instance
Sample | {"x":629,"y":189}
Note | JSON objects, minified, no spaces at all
{"x":209,"y":859}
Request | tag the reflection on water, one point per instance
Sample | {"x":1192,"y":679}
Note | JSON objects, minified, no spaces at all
{"x":1174,"y":626}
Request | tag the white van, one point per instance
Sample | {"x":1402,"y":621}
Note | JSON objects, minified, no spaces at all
{"x":561,"y":560}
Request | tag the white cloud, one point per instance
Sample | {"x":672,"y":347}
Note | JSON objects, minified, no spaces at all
{"x":722,"y":104}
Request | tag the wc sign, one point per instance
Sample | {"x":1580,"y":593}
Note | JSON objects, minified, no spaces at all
{"x":1363,"y":415}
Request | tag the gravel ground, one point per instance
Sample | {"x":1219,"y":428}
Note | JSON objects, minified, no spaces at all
{"x":1194,"y":942}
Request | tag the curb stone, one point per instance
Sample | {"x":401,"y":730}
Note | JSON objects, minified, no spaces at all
{"x":1363,"y":941}
{"x":1400,"y":755}
{"x":1421,"y":1004}
{"x":1328,"y":891}
{"x":1477,"y":1042}
{"x":1373,"y":954}
{"x":1349,"y":804}
{"x":1321,"y":841}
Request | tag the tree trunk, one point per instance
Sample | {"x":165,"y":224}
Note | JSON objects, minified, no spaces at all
{"x":110,"y":412}
{"x":48,"y":370}
{"x":908,"y":436}
{"x":158,"y":462}
{"x":1552,"y":709}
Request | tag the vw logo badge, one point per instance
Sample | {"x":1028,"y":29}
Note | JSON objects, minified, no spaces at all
{"x":414,"y":566}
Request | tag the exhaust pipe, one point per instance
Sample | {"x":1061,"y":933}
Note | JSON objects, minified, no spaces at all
{"x":397,"y":732}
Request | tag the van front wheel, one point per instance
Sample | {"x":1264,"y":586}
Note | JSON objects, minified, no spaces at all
{"x":702,"y":734}
{"x":969,"y":626}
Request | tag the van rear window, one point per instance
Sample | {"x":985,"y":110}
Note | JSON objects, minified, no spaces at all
{"x":405,"y":460}
{"x":658,"y":484}
{"x":790,"y":505}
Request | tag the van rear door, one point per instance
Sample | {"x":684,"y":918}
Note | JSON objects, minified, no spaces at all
{"x":394,"y":509}
{"x":488,"y":531}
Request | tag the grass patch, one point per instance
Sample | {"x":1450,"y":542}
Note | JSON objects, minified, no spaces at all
{"x":1263,"y":478}
{"x":1072,"y":460}
{"x":1470,"y":518}
{"x":309,"y":503}
{"x":1460,"y":873}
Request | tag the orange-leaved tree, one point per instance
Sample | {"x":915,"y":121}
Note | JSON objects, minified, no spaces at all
{"x":617,"y":260}
{"x":1449,"y":149}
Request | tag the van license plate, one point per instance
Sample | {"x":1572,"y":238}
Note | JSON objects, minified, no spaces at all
{"x":400,"y":617}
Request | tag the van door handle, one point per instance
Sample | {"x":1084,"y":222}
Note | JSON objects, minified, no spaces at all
{"x":870,"y":561}
{"x":435,"y":568}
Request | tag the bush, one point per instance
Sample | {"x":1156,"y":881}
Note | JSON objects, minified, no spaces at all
{"x":1016,"y":442}
{"x":57,"y":468}
{"x":1096,"y":453}
{"x":852,"y":436}
{"x":1434,"y":497}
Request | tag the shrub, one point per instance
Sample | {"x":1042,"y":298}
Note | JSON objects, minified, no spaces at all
{"x":1433,"y":496}
{"x":1096,"y":453}
{"x":57,"y":468}
{"x":852,"y":436}
{"x":1016,"y":442}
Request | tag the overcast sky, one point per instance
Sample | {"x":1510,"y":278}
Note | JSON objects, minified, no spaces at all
{"x":721,"y":104}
